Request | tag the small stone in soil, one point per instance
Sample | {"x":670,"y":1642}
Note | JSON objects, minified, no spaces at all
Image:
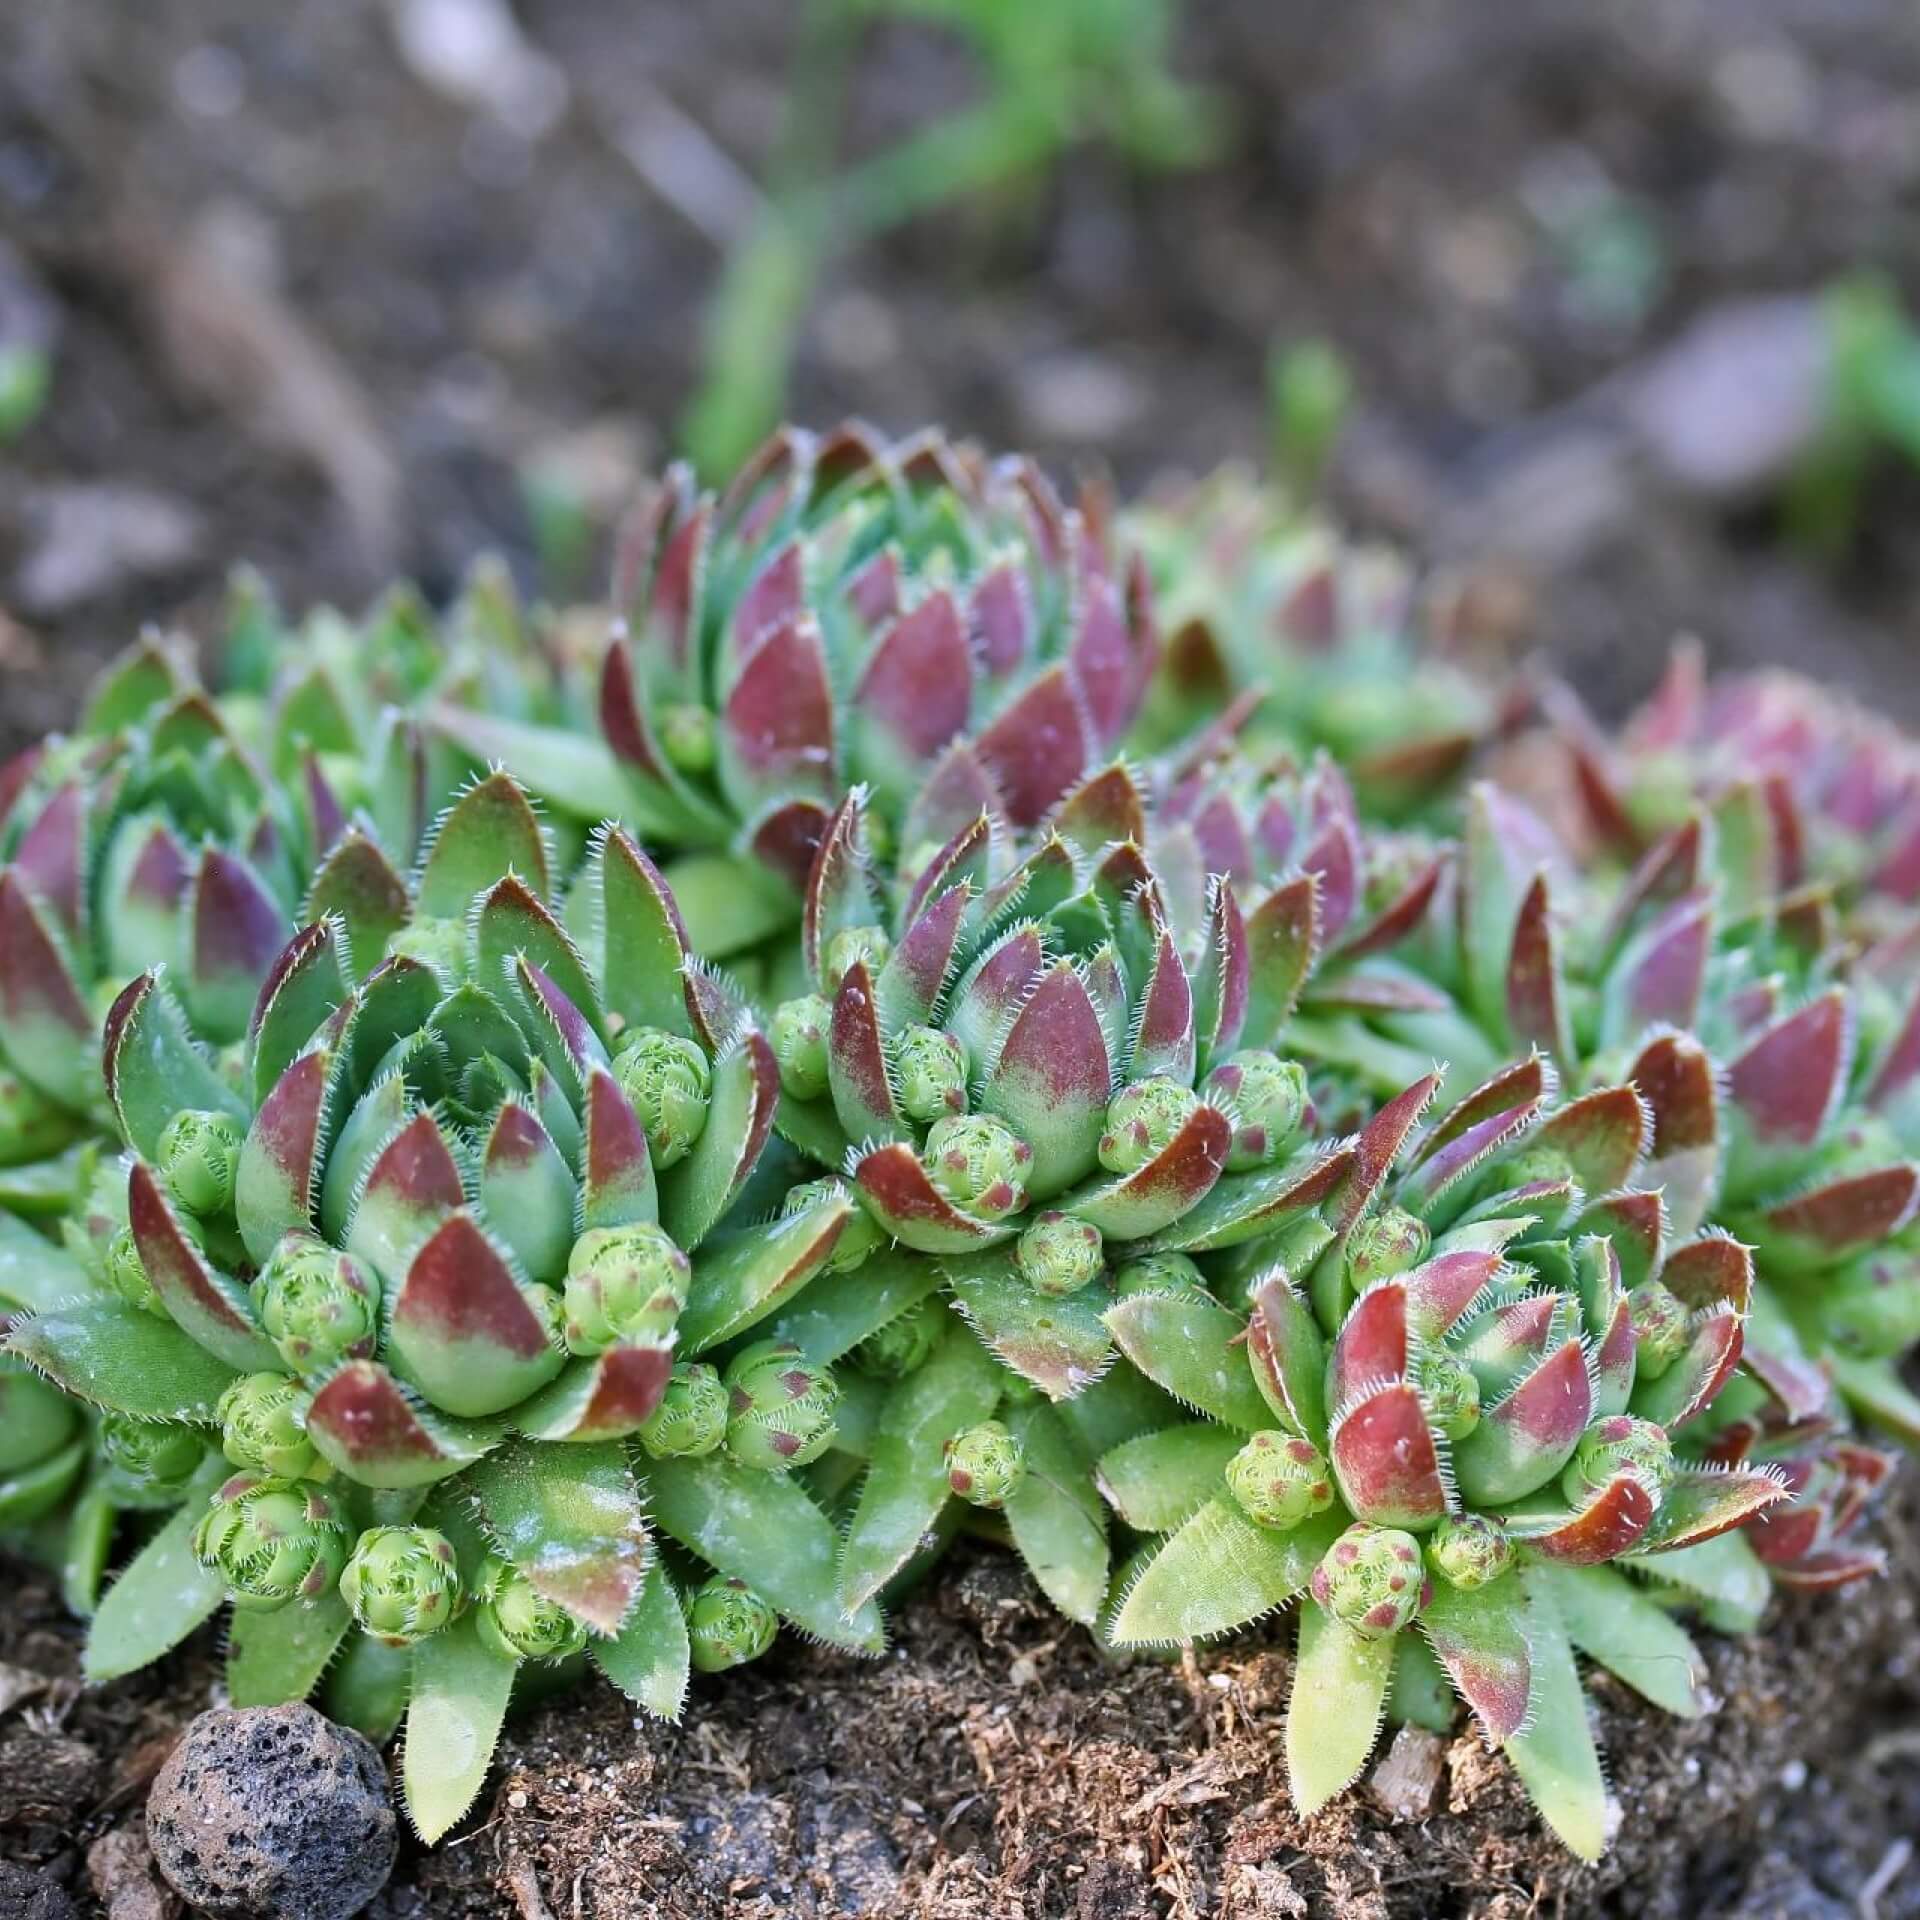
{"x":273,"y":1813}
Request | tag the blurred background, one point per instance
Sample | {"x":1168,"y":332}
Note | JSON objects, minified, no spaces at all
{"x":1606,"y":305}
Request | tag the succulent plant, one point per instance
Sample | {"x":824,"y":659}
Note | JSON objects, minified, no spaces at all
{"x":447,"y":1258}
{"x":431,"y":1254}
{"x":911,"y":616}
{"x":1298,"y":639}
{"x":1435,"y":1429}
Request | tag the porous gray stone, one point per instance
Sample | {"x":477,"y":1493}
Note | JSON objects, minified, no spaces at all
{"x":273,"y":1813}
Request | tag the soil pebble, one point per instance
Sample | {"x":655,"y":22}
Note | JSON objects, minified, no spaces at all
{"x":273,"y":1813}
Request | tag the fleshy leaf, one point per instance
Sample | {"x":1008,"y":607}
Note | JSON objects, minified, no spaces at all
{"x":649,"y":1659}
{"x":1333,"y":1718}
{"x":153,"y":1067}
{"x":121,"y":1358}
{"x":1480,"y":1637}
{"x":488,"y":833}
{"x":906,"y":1483}
{"x":1055,"y":1516}
{"x":571,"y":1522}
{"x":202,"y":1301}
{"x":457,"y":1705}
{"x":371,"y":1429}
{"x":280,"y":1656}
{"x":163,"y":1594}
{"x":1555,"y":1756}
{"x":1156,"y":1481}
{"x":741,"y":1277}
{"x":1610,"y":1620}
{"x":764,"y":1529}
{"x":1194,"y":1349}
{"x":1060,"y":1345}
{"x":1216,"y":1573}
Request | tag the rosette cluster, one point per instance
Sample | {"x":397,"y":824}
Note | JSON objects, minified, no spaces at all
{"x":1497,"y":1247}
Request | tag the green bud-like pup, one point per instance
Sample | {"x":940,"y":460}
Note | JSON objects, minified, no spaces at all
{"x":1059,"y":1255}
{"x":798,"y":1037}
{"x":1280,"y":1480}
{"x":931,"y":1072}
{"x":624,"y":1285}
{"x":263,"y":1425}
{"x":728,"y":1624}
{"x":780,"y":1407}
{"x":669,"y":1082}
{"x":401,"y":1583}
{"x":518,"y":1622}
{"x":979,"y":1164}
{"x":272,"y":1541}
{"x":986,"y":1464}
{"x":691,"y":1417}
{"x":199,"y":1156}
{"x":1143,"y":1120}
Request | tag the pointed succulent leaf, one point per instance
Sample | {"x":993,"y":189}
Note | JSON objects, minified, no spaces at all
{"x":1058,"y":1344}
{"x":1333,"y":1717}
{"x":1703,"y":1502}
{"x":1283,"y":944}
{"x":1786,"y":1081}
{"x":898,"y":1191}
{"x":280,"y":1656}
{"x":526,"y":1191}
{"x":1819,"y":1227}
{"x":906,"y":1483}
{"x":510,"y":921}
{"x":1529,"y":1435}
{"x":1480,"y":1637}
{"x":1194,"y":1349}
{"x":1051,"y":1080}
{"x":762,"y":1528}
{"x":1611,"y":1621}
{"x":1612,"y":1522}
{"x":858,"y":1073}
{"x":358,"y":886}
{"x":644,"y":962}
{"x":1217,"y":1572}
{"x":235,"y":929}
{"x":1288,"y":1353}
{"x":741,"y":1277}
{"x":571,"y":1522}
{"x":827,"y":1323}
{"x":649,"y":1659}
{"x":1554,"y":1754}
{"x":1387,"y":1460}
{"x":162,"y":1594}
{"x":488,"y":833}
{"x":49,"y":1031}
{"x":462,"y":1328}
{"x":605,"y":1396}
{"x":411,"y":1185}
{"x":123,"y":1359}
{"x":301,"y":993}
{"x":1138,"y":1205}
{"x":202,"y":1301}
{"x":370,"y":1428}
{"x":1677,"y":1080}
{"x":1055,"y":1517}
{"x":696,"y":1193}
{"x":1536,"y":1000}
{"x":153,"y":1067}
{"x":1602,"y":1136}
{"x":457,"y":1704}
{"x":1243,"y":1207}
{"x":276,"y":1186}
{"x":1156,"y":1481}
{"x":1686,"y":1388}
{"x":617,"y":1186}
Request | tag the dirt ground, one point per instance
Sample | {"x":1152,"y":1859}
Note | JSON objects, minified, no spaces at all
{"x":992,"y":1766}
{"x":311,"y":308}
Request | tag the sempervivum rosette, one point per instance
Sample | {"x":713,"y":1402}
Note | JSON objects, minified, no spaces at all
{"x":910,"y":616}
{"x":1309,"y":642}
{"x":421,"y":1266}
{"x":1454,"y":1404}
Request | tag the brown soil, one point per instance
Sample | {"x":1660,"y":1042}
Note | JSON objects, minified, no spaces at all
{"x":992,"y":1765}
